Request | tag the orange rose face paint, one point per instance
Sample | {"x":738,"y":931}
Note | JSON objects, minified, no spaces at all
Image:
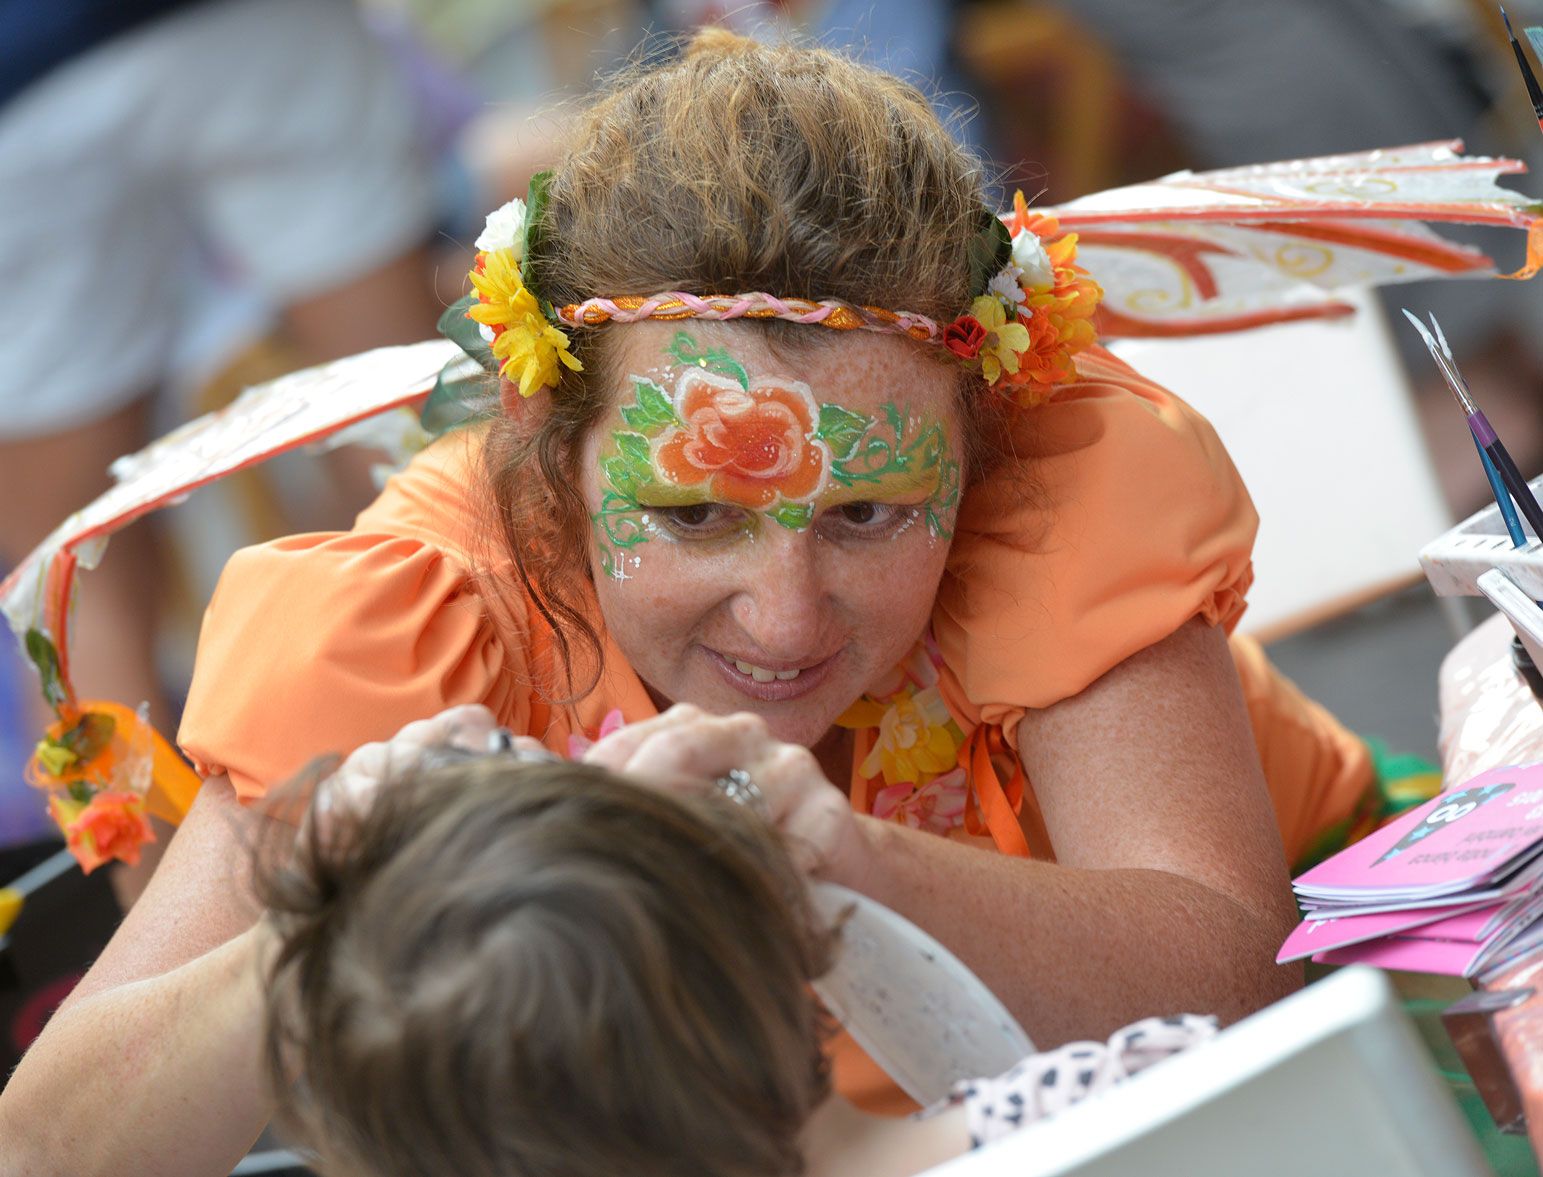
{"x":705,"y":451}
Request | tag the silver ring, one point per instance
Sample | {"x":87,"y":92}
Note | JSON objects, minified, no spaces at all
{"x":501,"y":742}
{"x":736,"y":786}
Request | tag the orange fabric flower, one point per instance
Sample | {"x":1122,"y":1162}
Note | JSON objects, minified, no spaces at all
{"x":750,"y":446}
{"x":113,"y":825}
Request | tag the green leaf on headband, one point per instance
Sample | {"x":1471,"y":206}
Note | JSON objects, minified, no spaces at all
{"x":535,"y":236}
{"x":465,"y":333}
{"x":841,"y":430}
{"x":990,"y":249}
{"x":463,"y":393}
{"x":46,"y":658}
{"x":653,"y":409}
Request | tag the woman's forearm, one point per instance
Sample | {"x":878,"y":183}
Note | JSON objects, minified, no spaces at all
{"x":162,"y":1075}
{"x":1079,"y":953}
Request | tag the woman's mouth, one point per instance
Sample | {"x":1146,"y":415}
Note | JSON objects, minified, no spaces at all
{"x":770,"y":684}
{"x":761,"y":674}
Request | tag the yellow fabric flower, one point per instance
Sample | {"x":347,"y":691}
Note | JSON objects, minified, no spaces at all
{"x":1004,"y":340}
{"x":917,"y":740}
{"x":527,"y":346}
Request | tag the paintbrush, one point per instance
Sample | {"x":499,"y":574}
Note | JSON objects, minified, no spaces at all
{"x":1534,"y":91}
{"x":1483,"y":432}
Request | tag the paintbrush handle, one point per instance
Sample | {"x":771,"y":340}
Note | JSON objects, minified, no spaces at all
{"x":1508,"y":515}
{"x":1514,"y":481}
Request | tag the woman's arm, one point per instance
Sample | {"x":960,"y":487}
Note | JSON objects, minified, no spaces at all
{"x":1170,"y":891}
{"x":153,"y":1064}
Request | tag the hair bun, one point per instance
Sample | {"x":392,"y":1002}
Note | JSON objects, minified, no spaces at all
{"x":717,"y":41}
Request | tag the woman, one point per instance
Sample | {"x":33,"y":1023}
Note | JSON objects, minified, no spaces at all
{"x":486,"y":967}
{"x":1003,"y":624}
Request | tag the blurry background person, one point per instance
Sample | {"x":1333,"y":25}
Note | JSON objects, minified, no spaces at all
{"x":143,"y":145}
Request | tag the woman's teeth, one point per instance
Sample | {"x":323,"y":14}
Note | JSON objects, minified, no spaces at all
{"x":761,"y":674}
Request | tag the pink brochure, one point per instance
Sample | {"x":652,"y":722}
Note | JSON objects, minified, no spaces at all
{"x":1456,"y":841}
{"x":1313,"y":936}
{"x":1449,"y":958}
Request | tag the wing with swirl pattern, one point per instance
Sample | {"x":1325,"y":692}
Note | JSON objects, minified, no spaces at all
{"x":1202,"y":252}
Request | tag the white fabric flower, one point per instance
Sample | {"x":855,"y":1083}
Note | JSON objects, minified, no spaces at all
{"x":1008,"y":285}
{"x":1030,"y":257}
{"x":505,"y":230}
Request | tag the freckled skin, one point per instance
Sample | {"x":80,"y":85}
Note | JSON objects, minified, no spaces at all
{"x":768,"y":594}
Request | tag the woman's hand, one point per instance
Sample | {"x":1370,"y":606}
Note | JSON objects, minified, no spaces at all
{"x":470,"y":727}
{"x":687,"y":750}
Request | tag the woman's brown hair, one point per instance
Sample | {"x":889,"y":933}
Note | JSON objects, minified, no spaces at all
{"x":507,"y":969}
{"x":738,"y":166}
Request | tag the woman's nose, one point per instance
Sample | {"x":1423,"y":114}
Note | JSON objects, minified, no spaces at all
{"x":782,"y":603}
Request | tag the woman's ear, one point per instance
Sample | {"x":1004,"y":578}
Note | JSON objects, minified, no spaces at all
{"x":513,"y":404}
{"x":526,"y":411}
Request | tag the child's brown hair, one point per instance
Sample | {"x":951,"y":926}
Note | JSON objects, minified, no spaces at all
{"x":511,"y":969}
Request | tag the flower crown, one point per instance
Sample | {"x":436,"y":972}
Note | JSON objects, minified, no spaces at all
{"x":1034,"y":311}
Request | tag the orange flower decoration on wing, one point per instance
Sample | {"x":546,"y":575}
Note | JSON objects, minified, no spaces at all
{"x":111,"y":825}
{"x":750,"y":446}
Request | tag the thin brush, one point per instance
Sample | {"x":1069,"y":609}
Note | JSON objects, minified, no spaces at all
{"x":1513,"y":523}
{"x":1478,"y":424}
{"x":1534,"y":91}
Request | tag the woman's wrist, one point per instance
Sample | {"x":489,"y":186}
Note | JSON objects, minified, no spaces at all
{"x":857,"y":858}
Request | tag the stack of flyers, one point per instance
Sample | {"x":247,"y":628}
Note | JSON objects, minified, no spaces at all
{"x":1451,"y":887}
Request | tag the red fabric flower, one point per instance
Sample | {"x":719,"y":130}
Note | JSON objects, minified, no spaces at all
{"x":964,"y":337}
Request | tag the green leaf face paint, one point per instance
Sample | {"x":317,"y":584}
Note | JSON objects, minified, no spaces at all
{"x":768,"y":448}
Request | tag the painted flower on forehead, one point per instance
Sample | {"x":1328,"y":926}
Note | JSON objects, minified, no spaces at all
{"x":747,"y":446}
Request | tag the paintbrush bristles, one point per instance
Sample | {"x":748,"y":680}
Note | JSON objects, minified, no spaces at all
{"x":1445,"y":363}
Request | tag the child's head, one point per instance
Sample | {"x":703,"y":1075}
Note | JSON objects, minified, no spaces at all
{"x":506,"y":968}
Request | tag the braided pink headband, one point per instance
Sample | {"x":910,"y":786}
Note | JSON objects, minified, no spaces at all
{"x":676,"y":304}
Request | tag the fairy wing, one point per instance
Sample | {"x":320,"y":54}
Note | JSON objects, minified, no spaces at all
{"x":1201,"y":252}
{"x":296,"y":410}
{"x":1191,"y":253}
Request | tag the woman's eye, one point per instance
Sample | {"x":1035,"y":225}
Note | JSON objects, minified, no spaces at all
{"x":696,"y":520}
{"x":866,"y":520}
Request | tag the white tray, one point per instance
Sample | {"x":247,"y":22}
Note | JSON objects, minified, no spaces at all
{"x":1454,"y":561}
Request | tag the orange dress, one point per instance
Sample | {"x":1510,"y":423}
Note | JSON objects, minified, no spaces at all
{"x":1132,"y":521}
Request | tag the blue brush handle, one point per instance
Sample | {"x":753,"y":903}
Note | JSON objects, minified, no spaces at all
{"x":1513,"y":522}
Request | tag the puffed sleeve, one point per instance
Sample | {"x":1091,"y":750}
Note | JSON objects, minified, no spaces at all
{"x":319,"y":643}
{"x":1122,"y":518}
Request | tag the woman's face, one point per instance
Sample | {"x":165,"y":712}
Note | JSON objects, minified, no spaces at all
{"x":768,"y":527}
